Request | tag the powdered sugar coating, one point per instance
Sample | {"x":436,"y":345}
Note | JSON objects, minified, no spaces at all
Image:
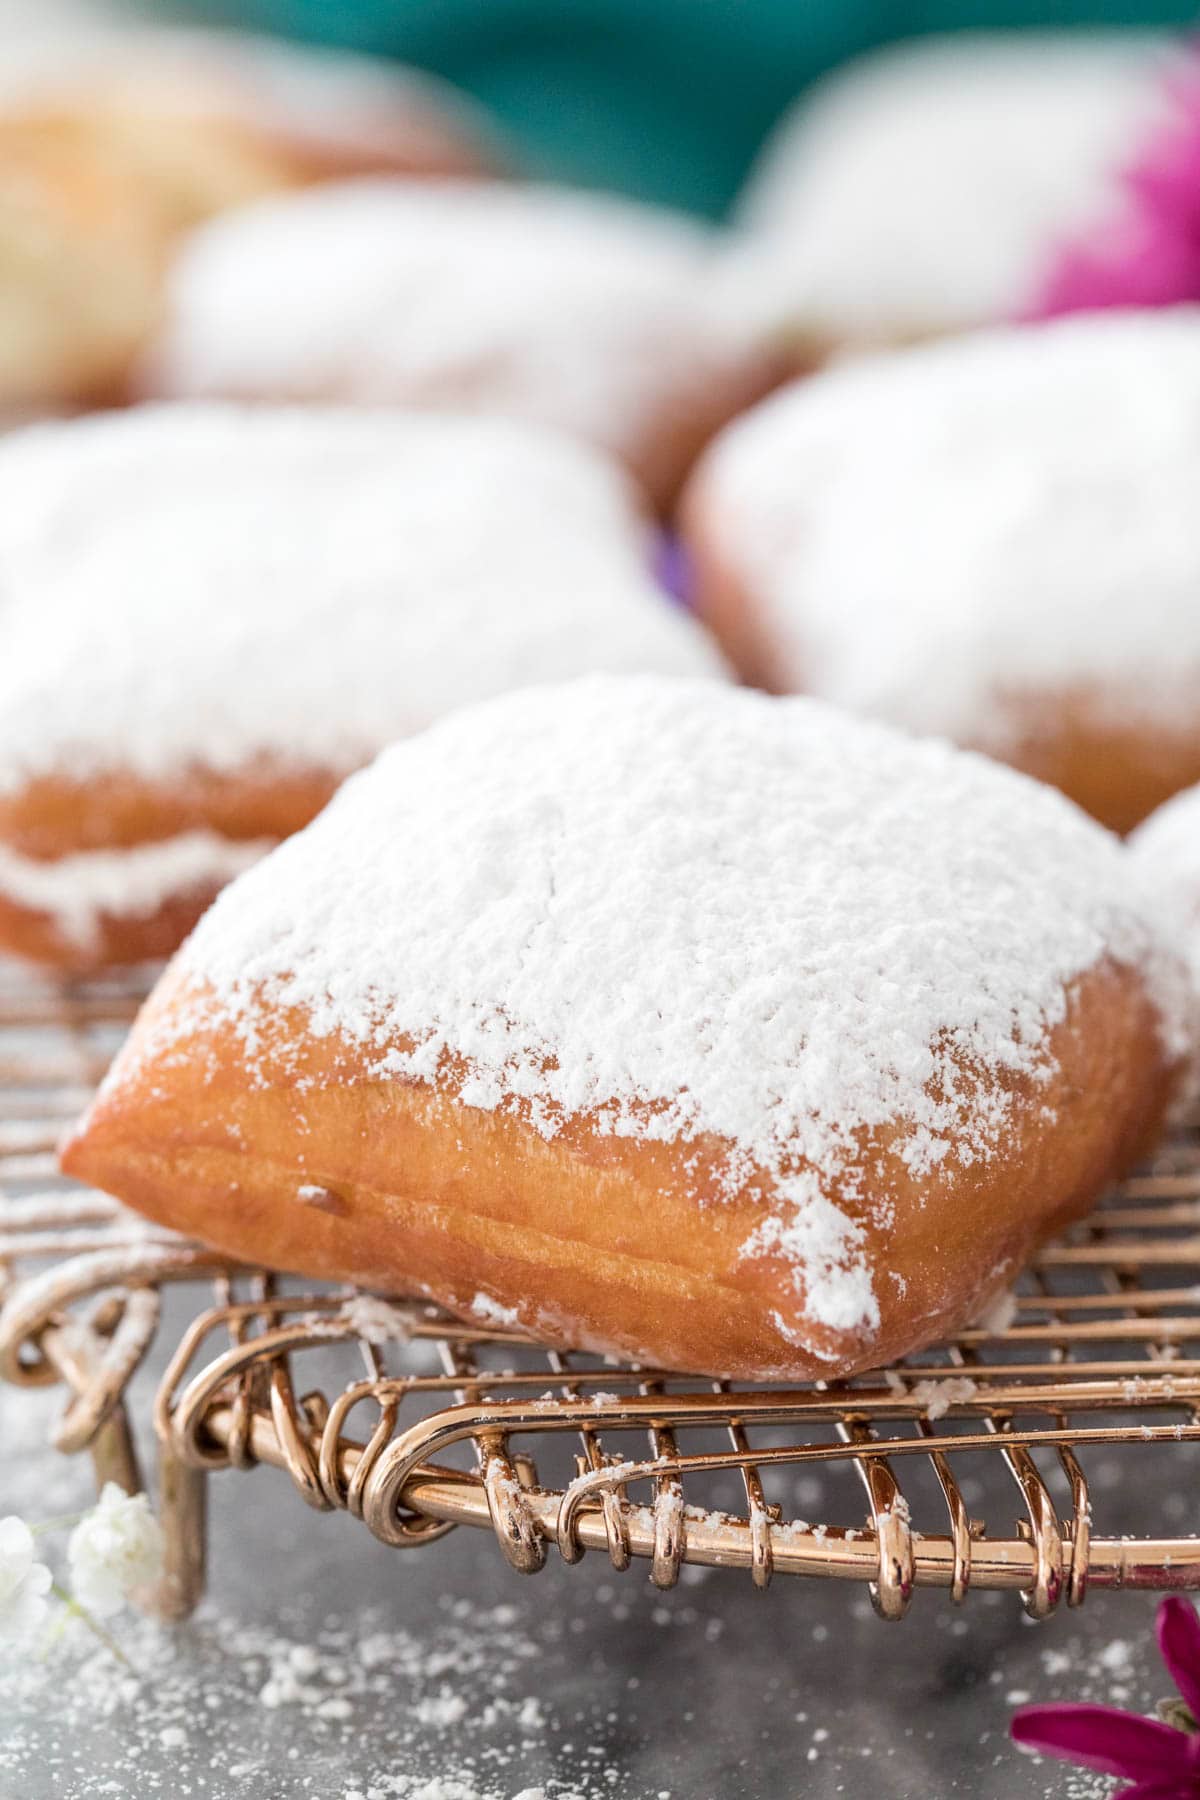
{"x":1167,"y":850}
{"x":937,"y":535}
{"x":929,"y":186}
{"x":684,"y":909}
{"x":79,"y":891}
{"x":214,"y":585}
{"x":1169,"y":843}
{"x":577,"y":310}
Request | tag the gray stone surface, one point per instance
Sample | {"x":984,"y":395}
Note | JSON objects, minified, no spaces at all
{"x":710,"y":1690}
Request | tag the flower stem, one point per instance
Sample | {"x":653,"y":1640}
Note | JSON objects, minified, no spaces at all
{"x":72,"y":1609}
{"x":1174,"y":1712}
{"x":65,"y":1523}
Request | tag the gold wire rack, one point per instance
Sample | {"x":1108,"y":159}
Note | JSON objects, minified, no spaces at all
{"x":415,"y":1423}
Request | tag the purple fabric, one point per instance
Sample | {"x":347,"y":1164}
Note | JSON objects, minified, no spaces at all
{"x":672,"y":569}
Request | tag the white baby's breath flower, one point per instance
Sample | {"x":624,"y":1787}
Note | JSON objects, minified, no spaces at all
{"x":24,"y":1582}
{"x":115,"y":1548}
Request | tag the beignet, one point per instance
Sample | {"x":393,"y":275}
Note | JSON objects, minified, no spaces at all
{"x":927,"y":187}
{"x":112,"y":146}
{"x":992,"y":538}
{"x":729,"y":1034}
{"x":81,"y":271}
{"x":210,"y":615}
{"x":620,"y":324}
{"x":1166,"y":849}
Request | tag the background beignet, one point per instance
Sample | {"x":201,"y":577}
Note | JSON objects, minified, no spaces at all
{"x":992,"y":538}
{"x":1166,"y":850}
{"x":725,"y":1033}
{"x":623,"y":325}
{"x":115,"y":140}
{"x":81,"y":271}
{"x":927,"y":187}
{"x":210,"y":615}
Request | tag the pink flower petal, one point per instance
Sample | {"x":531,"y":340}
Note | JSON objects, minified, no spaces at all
{"x":1148,"y":253}
{"x":1178,"y":1629}
{"x":1100,"y":1737}
{"x":1158,"y":1790}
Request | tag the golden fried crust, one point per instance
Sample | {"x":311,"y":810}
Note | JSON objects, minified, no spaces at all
{"x":117,"y":938}
{"x":673,"y":436}
{"x":611,"y":1243}
{"x":54,"y":816}
{"x":1117,"y":771}
{"x":178,"y":170}
{"x":95,"y":190}
{"x":424,"y":146}
{"x":188,"y":165}
{"x":80,"y":274}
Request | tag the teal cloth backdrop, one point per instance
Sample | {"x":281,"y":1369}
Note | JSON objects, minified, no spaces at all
{"x":668,"y":99}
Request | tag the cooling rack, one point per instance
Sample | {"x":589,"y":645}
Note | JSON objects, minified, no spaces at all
{"x":964,"y":1468}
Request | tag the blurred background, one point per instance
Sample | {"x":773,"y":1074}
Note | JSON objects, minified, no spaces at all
{"x":665,"y":99}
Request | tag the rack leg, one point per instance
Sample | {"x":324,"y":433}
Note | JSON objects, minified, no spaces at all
{"x":114,"y":1456}
{"x":183,"y":1511}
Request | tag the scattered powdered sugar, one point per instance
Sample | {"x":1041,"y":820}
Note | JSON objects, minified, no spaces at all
{"x":577,"y":310}
{"x":999,"y":1313}
{"x":185,"y":1689}
{"x":443,"y":1709}
{"x":684,"y":909}
{"x":1116,"y":1656}
{"x":378,"y":1321}
{"x":930,"y":185}
{"x":215,"y":585}
{"x":34,"y":1483}
{"x":528,"y":1715}
{"x":942,"y":535}
{"x":80,"y":890}
{"x":490,"y":1312}
{"x":579,"y":1686}
{"x":935,"y":1398}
